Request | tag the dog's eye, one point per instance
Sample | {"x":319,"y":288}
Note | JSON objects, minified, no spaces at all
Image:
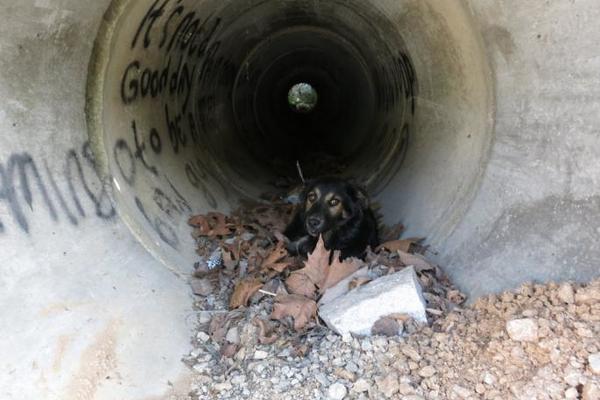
{"x":334,"y":202}
{"x":312,"y":197}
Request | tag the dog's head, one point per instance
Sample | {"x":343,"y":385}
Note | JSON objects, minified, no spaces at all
{"x":329,"y":203}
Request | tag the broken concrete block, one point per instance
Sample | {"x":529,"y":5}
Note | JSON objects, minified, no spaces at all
{"x":357,"y":311}
{"x":594,"y":361}
{"x":342,"y":287}
{"x":522,"y":330}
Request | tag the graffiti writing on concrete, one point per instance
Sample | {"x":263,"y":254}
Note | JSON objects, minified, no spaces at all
{"x":131,"y":155}
{"x":187,"y":42}
{"x":25,"y":183}
{"x":182,"y":87}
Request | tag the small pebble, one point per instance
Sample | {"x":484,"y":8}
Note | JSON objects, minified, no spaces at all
{"x":594,"y":363}
{"x":337,"y":391}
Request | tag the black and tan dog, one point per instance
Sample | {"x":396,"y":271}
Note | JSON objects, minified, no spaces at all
{"x":339,"y":211}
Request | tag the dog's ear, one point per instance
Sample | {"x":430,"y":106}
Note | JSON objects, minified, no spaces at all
{"x":361,"y":196}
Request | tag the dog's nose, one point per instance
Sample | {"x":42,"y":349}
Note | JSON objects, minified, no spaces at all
{"x":315,"y":223}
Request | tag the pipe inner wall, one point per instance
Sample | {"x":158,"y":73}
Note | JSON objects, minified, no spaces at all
{"x":188,"y":108}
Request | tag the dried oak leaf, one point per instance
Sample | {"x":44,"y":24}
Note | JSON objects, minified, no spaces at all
{"x":265,"y":331}
{"x":403,"y":245}
{"x":416,"y":260}
{"x":243,"y":291}
{"x":211,"y":224}
{"x":274,"y":259}
{"x":300,"y":308}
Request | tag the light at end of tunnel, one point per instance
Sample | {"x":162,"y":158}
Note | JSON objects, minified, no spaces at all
{"x":303,"y":97}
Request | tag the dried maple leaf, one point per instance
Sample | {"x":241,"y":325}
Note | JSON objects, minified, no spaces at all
{"x":243,"y":291}
{"x":306,"y":280}
{"x":315,"y":267}
{"x":300,"y":284}
{"x":265,"y":331}
{"x":300,"y":308}
{"x":319,"y":273}
{"x":273,"y":260}
{"x":339,"y":270}
{"x":211,"y":224}
{"x":416,"y":260}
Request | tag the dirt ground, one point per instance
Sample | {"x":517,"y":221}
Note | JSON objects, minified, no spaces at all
{"x":540,"y":342}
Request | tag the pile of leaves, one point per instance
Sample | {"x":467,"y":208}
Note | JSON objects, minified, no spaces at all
{"x":244,"y":261}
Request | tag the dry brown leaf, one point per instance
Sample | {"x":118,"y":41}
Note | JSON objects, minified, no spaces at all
{"x":392,"y":233}
{"x":386,"y":326}
{"x":301,"y":284}
{"x":416,"y":260}
{"x":318,"y":273}
{"x":300,"y":308}
{"x":314,"y":273}
{"x":202,"y":287}
{"x":456,"y":297}
{"x":228,"y":350}
{"x":315,"y":267}
{"x":399,"y":317}
{"x":229,"y":261}
{"x":274,"y":259}
{"x":339,"y":270}
{"x":217,"y":328}
{"x":265,"y":331}
{"x":403,"y":245}
{"x":243,"y":291}
{"x":211,"y":224}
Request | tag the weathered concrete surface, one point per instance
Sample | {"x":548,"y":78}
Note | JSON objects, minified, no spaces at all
{"x":356,"y":311}
{"x":536,"y":214}
{"x":501,"y":173}
{"x":85,"y":311}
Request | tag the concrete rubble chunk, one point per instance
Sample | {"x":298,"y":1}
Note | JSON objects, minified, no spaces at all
{"x":522,"y":330}
{"x":566,"y":293}
{"x":361,"y":385}
{"x":357,"y":311}
{"x":588,"y":295}
{"x":591,"y":391}
{"x":594,"y":361}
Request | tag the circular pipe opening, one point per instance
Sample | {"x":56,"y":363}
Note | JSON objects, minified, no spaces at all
{"x":190,"y":108}
{"x":302,"y":97}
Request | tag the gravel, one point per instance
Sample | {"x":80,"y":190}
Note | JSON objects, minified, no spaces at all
{"x":539,"y":342}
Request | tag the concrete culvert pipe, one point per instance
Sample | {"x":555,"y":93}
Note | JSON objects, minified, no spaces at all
{"x":472,"y":122}
{"x":190,"y":110}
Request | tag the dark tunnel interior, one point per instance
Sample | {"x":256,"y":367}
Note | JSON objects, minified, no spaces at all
{"x":353,"y":58}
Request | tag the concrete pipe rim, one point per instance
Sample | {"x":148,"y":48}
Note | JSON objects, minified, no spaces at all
{"x":429,"y":171}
